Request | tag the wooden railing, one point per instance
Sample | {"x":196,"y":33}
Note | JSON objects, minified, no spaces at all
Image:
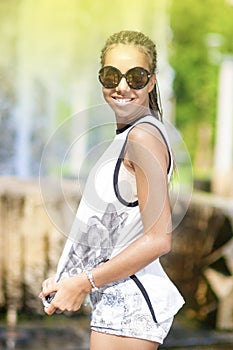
{"x":33,"y":234}
{"x":32,"y":237}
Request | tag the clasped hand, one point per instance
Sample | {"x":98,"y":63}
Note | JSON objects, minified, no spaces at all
{"x":70,"y":293}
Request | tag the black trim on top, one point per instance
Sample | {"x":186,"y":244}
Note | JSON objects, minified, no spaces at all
{"x":115,"y":180}
{"x":145,"y":295}
{"x":120,"y":159}
{"x":119,"y":131}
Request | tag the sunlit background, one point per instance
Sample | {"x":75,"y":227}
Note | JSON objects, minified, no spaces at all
{"x":49,"y":64}
{"x":49,"y":60}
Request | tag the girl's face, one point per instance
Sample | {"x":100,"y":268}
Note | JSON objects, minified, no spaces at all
{"x":125,"y":101}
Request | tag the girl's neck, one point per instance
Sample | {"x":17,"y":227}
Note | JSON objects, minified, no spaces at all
{"x":123,"y":120}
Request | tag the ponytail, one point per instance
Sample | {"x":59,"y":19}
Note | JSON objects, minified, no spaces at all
{"x":155,"y":102}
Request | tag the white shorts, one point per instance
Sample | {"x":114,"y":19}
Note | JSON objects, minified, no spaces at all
{"x":123,"y":309}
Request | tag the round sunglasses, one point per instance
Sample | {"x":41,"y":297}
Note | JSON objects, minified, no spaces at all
{"x":137,"y":78}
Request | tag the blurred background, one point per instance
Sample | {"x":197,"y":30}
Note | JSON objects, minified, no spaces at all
{"x":50,"y":96}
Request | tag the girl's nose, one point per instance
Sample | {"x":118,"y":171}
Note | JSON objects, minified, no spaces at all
{"x":122,"y":86}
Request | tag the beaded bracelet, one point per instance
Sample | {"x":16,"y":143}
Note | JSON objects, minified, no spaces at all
{"x":91,"y":280}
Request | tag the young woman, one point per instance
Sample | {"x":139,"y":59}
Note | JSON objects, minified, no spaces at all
{"x":123,"y":223}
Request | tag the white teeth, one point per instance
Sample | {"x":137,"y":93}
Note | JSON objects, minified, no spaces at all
{"x":123,"y":100}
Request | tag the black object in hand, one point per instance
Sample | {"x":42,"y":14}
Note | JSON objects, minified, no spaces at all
{"x":47,"y":299}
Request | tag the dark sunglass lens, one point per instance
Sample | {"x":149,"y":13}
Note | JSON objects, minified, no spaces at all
{"x":137,"y":78}
{"x":109,"y":77}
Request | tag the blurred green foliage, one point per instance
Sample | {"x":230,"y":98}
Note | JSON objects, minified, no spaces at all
{"x":201,"y":34}
{"x":50,"y":58}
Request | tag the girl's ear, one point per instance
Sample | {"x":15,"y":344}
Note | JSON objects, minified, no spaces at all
{"x":151,"y":83}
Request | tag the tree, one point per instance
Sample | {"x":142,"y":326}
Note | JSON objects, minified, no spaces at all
{"x":193,"y":23}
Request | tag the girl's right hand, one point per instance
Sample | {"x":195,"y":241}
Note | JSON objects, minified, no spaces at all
{"x":48,"y":286}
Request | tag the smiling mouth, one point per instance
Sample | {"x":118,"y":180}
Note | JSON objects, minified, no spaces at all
{"x":122,"y":101}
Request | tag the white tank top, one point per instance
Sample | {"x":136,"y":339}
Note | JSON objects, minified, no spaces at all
{"x":108,"y":220}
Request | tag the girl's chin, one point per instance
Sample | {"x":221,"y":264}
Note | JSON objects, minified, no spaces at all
{"x":129,"y":110}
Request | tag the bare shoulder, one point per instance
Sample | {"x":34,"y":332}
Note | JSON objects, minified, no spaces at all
{"x":145,"y":142}
{"x":148,"y":135}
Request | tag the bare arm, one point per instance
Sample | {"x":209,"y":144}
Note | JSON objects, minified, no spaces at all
{"x":147,"y":155}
